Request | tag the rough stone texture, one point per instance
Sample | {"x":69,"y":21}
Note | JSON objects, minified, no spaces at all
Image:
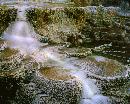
{"x":64,"y":92}
{"x":78,"y":26}
{"x":97,"y":2}
{"x":7,"y":16}
{"x":49,"y":92}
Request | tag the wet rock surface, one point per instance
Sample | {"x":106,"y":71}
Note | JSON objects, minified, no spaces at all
{"x":49,"y":76}
{"x":42,"y":86}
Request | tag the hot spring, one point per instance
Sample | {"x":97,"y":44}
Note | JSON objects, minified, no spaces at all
{"x":54,"y":67}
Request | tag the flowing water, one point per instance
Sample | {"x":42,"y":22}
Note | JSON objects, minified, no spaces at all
{"x":21,"y":36}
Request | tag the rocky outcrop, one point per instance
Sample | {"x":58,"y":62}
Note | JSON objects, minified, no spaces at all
{"x":61,"y":91}
{"x":79,"y":25}
{"x":97,"y":2}
{"x":7,"y":15}
{"x":40,"y":89}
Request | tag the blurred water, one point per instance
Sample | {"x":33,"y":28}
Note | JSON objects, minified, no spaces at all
{"x":90,"y":92}
{"x":21,"y":35}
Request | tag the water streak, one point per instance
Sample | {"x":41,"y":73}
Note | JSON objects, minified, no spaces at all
{"x":90,"y":92}
{"x":21,"y":35}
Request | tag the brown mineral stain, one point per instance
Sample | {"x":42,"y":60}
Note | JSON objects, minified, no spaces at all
{"x":54,"y":73}
{"x":109,"y":66}
{"x":7,"y":52}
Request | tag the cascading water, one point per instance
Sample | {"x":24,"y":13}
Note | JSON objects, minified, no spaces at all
{"x":90,"y":92}
{"x":21,"y":35}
